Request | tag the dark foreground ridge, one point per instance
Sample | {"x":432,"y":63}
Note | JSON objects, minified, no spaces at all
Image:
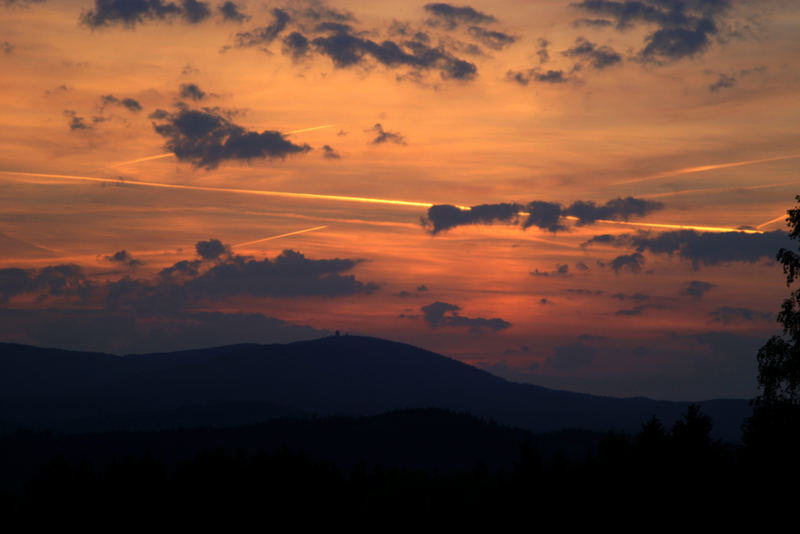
{"x":234,"y":385}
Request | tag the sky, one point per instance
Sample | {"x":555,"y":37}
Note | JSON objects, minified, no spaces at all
{"x":583,"y":195}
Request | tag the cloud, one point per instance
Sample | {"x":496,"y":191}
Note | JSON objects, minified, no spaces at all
{"x":452,"y":16}
{"x":536,"y":75}
{"x":545,"y":215}
{"x":598,"y":57}
{"x":728,"y":315}
{"x":6,"y":47}
{"x":129,"y":13}
{"x":630,"y":262}
{"x":570,"y":357}
{"x":212,"y":249}
{"x":592,"y":23}
{"x":493,"y":39}
{"x":21,"y":3}
{"x":382,"y":136}
{"x":129,"y":103}
{"x":637,"y":310}
{"x":76,"y":122}
{"x":439,"y":314}
{"x":639,"y":297}
{"x":192,"y":91}
{"x":697,"y":288}
{"x":67,"y":280}
{"x":206,"y":137}
{"x":544,"y":57}
{"x":684,"y":28}
{"x":706,"y":248}
{"x":264,"y":35}
{"x":561,"y":271}
{"x":231,"y":12}
{"x":724,"y":81}
{"x":123,"y":257}
{"x":330,"y":153}
{"x":296,"y":45}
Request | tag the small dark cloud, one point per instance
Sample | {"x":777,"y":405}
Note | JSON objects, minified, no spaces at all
{"x":631,"y":312}
{"x":683,"y":29}
{"x":561,"y":271}
{"x":212,"y":249}
{"x":296,"y":45}
{"x":697,"y":288}
{"x":592,"y":23}
{"x":451,"y":16}
{"x":422,"y":287}
{"x":541,"y":51}
{"x":76,"y":122}
{"x":591,"y":337}
{"x":129,"y":13}
{"x":543,"y":301}
{"x":599,"y":57}
{"x":264,"y":35}
{"x":207,"y":137}
{"x":581,"y":266}
{"x":706,"y":248}
{"x":61,"y":89}
{"x":570,"y":357}
{"x":724,"y":81}
{"x":382,"y":136}
{"x":438,"y":314}
{"x":630,"y":262}
{"x":67,"y":280}
{"x":128,"y":103}
{"x":493,"y":39}
{"x":330,"y":153}
{"x":231,"y":12}
{"x":123,"y":257}
{"x":536,"y":75}
{"x":583,"y":291}
{"x":728,"y":315}
{"x":545,"y":215}
{"x":192,"y":91}
{"x":21,"y":3}
{"x":7,"y":47}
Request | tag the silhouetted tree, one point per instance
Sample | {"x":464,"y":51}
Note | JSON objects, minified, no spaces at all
{"x":773,"y":432}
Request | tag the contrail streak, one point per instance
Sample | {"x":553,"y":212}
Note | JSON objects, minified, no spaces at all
{"x":281,"y":235}
{"x":776,"y":219}
{"x":256,"y":192}
{"x":716,"y":189}
{"x":704,"y":168}
{"x":168,"y":154}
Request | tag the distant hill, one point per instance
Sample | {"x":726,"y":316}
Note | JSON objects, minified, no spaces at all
{"x":340,"y":375}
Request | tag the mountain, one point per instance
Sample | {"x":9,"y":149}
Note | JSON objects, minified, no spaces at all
{"x":338,"y":375}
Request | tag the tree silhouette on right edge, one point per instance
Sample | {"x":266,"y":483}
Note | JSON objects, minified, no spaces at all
{"x":772,"y":434}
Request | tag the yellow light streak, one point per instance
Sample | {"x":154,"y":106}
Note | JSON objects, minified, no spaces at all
{"x":139,"y":160}
{"x":704,"y":168}
{"x":776,"y":219}
{"x":281,"y":236}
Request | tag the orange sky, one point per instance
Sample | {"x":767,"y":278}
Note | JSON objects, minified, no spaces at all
{"x":710,"y":132}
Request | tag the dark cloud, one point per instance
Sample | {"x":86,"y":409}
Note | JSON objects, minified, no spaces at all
{"x":264,"y":35}
{"x":639,"y":297}
{"x":123,"y":257}
{"x":598,"y":57}
{"x":382,"y":136}
{"x":192,"y":91}
{"x":493,"y":39}
{"x":592,"y":23}
{"x":541,"y":51}
{"x":129,"y":13}
{"x":318,"y":12}
{"x":7,"y":47}
{"x":129,"y":103}
{"x":548,"y":216}
{"x":439,"y":314}
{"x":451,"y":16}
{"x":561,"y":271}
{"x":76,"y":122}
{"x":630,"y":262}
{"x":707,"y":248}
{"x":66,"y":280}
{"x":231,"y":12}
{"x":21,"y":3}
{"x":536,"y":75}
{"x":63,"y":88}
{"x":330,"y":153}
{"x":570,"y":357}
{"x":543,"y":301}
{"x":206,"y":137}
{"x":728,"y":315}
{"x":422,"y":287}
{"x":296,"y":45}
{"x":212,"y":249}
{"x":684,"y":28}
{"x":697,"y":288}
{"x":722,"y":82}
{"x":582,"y":291}
{"x":637,"y":310}
{"x":581,"y":266}
{"x":347,"y":49}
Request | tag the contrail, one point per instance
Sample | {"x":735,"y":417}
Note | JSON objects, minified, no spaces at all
{"x":280,"y":236}
{"x":776,"y":219}
{"x":168,"y":154}
{"x":338,"y":198}
{"x":716,"y":189}
{"x":704,"y":168}
{"x":257,"y":192}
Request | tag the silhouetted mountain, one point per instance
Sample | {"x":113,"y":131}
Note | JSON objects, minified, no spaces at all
{"x":345,"y":375}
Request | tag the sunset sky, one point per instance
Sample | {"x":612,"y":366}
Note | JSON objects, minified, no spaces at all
{"x":179,"y":174}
